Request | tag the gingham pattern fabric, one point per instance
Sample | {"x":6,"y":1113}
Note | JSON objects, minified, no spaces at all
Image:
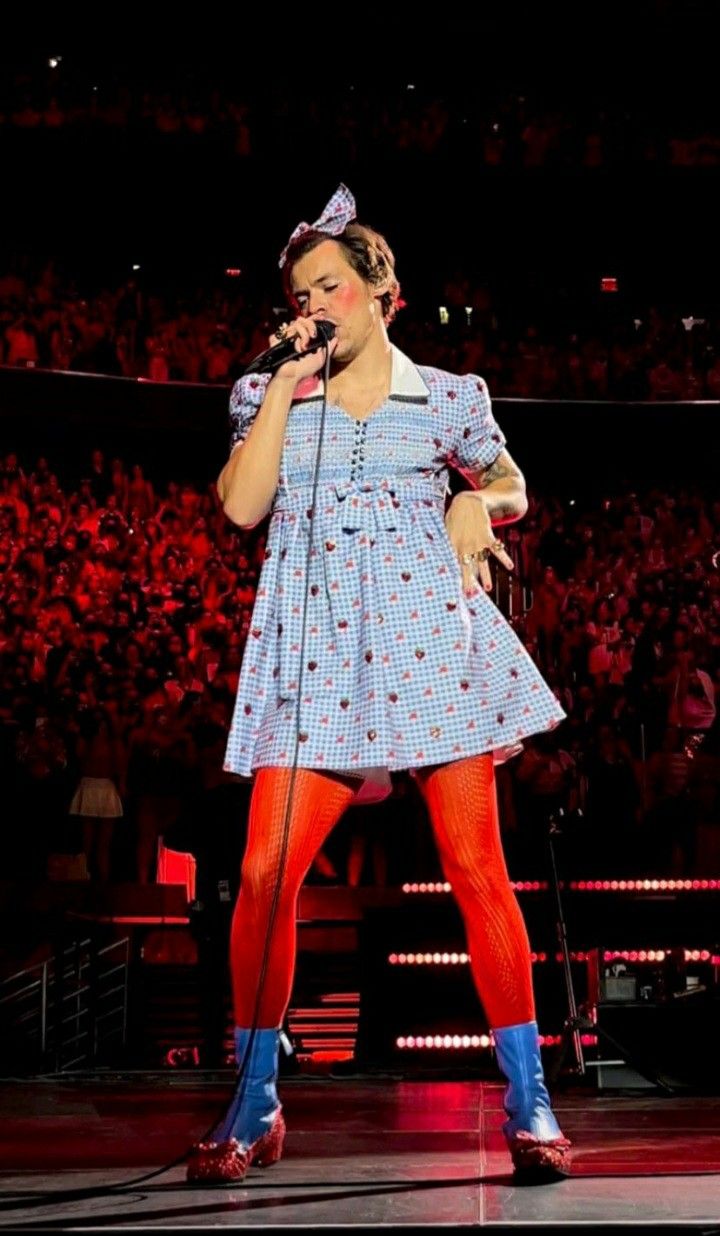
{"x":340,"y":211}
{"x":400,"y":669}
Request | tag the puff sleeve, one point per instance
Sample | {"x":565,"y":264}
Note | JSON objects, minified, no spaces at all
{"x":477,"y":437}
{"x":245,"y":398}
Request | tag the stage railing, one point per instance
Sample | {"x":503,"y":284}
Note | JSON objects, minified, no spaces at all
{"x":573,"y":448}
{"x":69,"y":1010}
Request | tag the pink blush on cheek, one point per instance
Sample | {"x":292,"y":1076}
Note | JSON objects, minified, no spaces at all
{"x":347,"y":299}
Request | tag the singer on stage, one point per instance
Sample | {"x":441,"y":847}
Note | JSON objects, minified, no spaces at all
{"x":374,"y":646}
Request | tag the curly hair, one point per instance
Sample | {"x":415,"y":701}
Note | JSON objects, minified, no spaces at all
{"x":367,"y":252}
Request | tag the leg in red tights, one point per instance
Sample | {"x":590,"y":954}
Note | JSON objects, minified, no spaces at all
{"x":462,"y":804}
{"x":319,"y":800}
{"x":262,"y":953}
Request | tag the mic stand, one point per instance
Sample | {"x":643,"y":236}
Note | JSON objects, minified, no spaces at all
{"x":580,"y":1021}
{"x":574,"y":1023}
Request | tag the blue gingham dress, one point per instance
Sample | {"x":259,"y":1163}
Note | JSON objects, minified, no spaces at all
{"x":400,"y":668}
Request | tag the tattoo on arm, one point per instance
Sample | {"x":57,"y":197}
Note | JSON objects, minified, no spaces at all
{"x":499,"y":470}
{"x":507,"y":502}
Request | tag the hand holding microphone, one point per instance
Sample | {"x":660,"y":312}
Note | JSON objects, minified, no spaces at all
{"x":298,"y":351}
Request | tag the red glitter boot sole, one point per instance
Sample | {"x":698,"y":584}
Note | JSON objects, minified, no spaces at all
{"x":537,"y":1161}
{"x":226,"y":1163}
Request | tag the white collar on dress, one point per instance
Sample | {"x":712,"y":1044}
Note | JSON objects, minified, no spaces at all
{"x":405,"y":381}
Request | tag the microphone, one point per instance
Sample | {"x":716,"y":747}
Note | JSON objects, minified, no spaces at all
{"x":272,"y":358}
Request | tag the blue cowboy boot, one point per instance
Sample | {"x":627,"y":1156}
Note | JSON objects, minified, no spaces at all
{"x":532,"y":1133}
{"x":253,"y":1128}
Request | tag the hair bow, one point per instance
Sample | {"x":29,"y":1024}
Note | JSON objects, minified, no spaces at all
{"x":339,"y":211}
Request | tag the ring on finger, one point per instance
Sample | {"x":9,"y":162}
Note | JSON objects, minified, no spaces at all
{"x":484,"y":554}
{"x":497,"y":547}
{"x":468,"y":558}
{"x":282,"y":331}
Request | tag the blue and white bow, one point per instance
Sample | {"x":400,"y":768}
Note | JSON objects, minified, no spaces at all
{"x":339,"y":211}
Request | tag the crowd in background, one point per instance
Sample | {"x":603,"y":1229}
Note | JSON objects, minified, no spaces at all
{"x":124,"y":608}
{"x":495,"y":127}
{"x":562,"y":247}
{"x":125,"y":600}
{"x":209,"y":334}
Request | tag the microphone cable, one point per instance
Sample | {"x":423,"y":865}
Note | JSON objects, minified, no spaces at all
{"x":240,"y":1087}
{"x":241,"y":1084}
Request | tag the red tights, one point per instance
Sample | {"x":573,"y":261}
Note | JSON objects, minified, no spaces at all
{"x":462,"y":805}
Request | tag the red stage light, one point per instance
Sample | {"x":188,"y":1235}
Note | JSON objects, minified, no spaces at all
{"x":428,"y":959}
{"x":444,"y":1042}
{"x":180,"y":1057}
{"x":647,"y":885}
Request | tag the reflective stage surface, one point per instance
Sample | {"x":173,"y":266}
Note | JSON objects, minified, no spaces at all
{"x":359,"y":1153}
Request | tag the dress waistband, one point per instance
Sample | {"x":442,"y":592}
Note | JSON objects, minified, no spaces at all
{"x":377,"y":494}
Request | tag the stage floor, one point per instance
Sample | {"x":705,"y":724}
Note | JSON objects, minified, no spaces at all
{"x":359,"y":1153}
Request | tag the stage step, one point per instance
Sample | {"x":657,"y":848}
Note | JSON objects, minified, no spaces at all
{"x":167,"y":1003}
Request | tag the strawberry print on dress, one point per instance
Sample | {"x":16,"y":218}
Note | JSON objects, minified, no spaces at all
{"x":400,"y":668}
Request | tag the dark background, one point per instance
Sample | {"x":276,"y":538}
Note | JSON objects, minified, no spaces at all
{"x":111,"y":198}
